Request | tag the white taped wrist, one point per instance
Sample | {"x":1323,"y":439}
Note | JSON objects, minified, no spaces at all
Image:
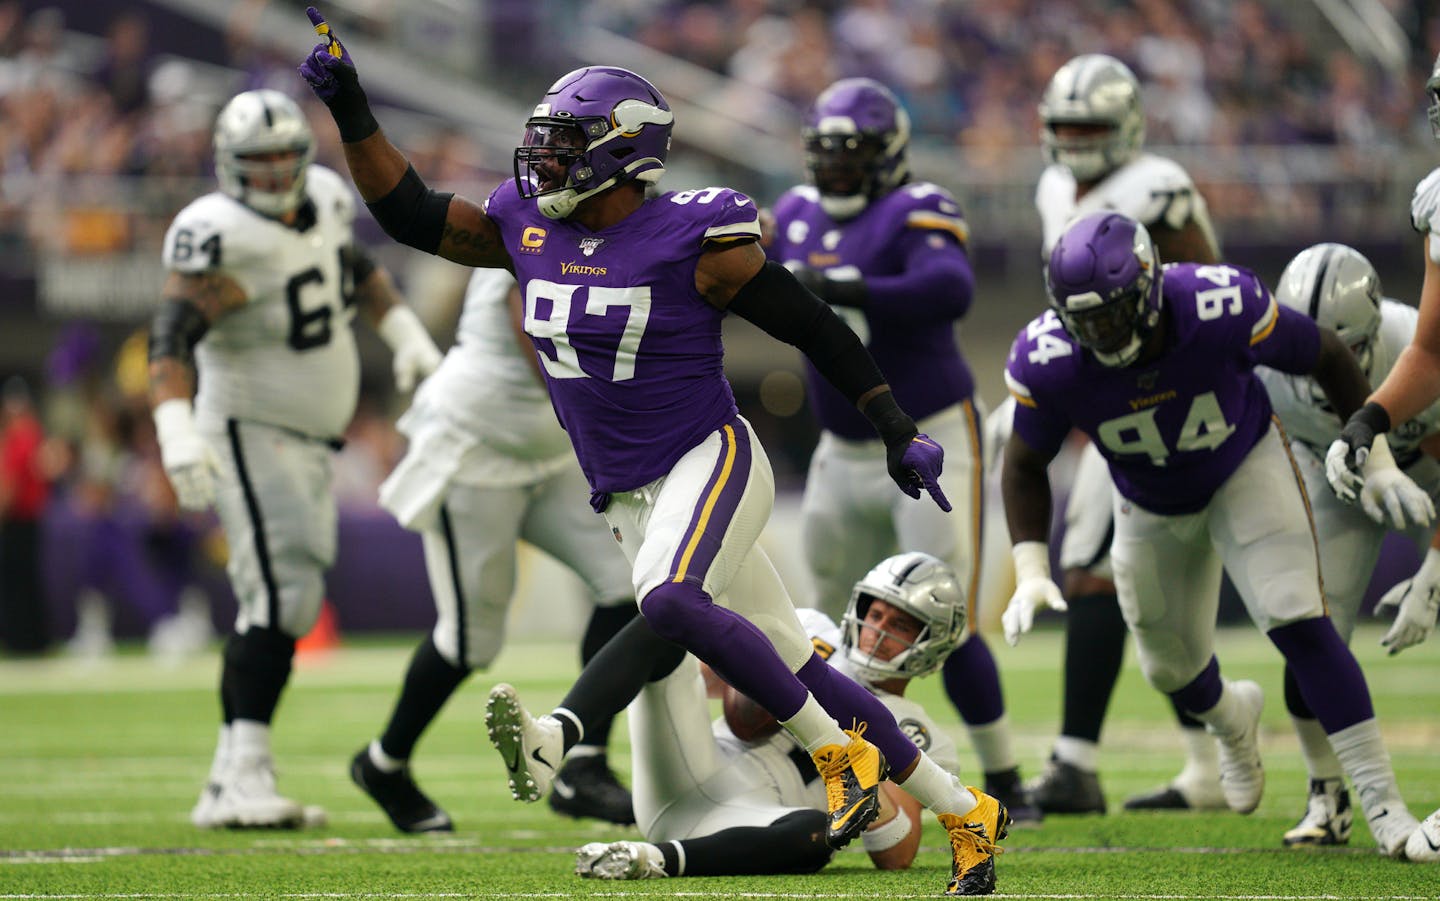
{"x":400,"y":327}
{"x":887,"y":835}
{"x":1032,"y":560}
{"x":174,"y":418}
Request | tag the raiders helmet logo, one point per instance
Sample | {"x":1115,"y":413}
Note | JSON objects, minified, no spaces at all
{"x":916,"y":732}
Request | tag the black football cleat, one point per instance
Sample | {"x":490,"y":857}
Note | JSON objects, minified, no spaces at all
{"x":586,"y":788}
{"x":1064,"y":788}
{"x":398,"y":795}
{"x":1005,"y":787}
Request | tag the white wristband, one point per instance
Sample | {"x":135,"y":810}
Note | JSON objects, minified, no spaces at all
{"x":401,"y":326}
{"x":1032,"y":560}
{"x":174,"y":418}
{"x":888,"y":834}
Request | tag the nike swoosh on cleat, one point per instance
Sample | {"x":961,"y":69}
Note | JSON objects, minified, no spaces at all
{"x":839,"y":823}
{"x":1433,"y":846}
{"x":513,"y":765}
{"x":538,"y":759}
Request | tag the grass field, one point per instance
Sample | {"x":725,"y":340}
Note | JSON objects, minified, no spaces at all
{"x":100,"y":764}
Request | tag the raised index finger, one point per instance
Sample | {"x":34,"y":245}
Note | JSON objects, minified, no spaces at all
{"x":322,"y":28}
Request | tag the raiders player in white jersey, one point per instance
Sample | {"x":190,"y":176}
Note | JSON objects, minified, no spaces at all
{"x":710,"y":803}
{"x":1092,"y":133}
{"x":1336,"y":286}
{"x":1411,"y":387}
{"x":487,"y":465}
{"x":263,"y":279}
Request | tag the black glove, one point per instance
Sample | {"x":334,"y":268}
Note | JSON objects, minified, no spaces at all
{"x":837,"y":292}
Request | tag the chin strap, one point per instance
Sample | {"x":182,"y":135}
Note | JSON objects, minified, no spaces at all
{"x":562,"y":203}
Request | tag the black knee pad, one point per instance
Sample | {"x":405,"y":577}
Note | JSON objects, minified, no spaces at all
{"x":802,"y":834}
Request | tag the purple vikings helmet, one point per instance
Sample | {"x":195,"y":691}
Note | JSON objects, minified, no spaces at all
{"x":1104,"y":283}
{"x":855,"y":137}
{"x":604,"y":125}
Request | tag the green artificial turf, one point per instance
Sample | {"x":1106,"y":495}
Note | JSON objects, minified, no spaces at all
{"x":100,"y":763}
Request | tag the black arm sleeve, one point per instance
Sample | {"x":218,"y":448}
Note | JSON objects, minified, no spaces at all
{"x":776,"y":302}
{"x":413,"y":214}
{"x":177,"y":327}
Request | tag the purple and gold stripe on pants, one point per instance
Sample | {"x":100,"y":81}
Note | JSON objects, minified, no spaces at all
{"x":716,"y":508}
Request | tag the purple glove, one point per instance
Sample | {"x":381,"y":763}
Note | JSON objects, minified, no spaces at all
{"x":331,"y":74}
{"x":917,"y":464}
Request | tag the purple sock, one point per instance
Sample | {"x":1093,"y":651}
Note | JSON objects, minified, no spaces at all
{"x":732,"y":646}
{"x":973,"y":683}
{"x":844,"y":699}
{"x":1327,"y":673}
{"x":1202,"y":692}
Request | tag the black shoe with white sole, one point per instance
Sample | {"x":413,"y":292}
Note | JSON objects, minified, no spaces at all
{"x":585,"y":787}
{"x":398,"y":795}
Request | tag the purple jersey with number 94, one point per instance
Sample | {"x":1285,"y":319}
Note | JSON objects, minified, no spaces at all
{"x":1175,"y":428}
{"x":630,"y":351}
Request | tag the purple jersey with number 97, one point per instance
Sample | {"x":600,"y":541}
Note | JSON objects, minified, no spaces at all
{"x":1172,"y":429}
{"x":630,"y":351}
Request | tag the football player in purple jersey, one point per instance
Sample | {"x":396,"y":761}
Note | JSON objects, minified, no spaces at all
{"x":624,"y":295}
{"x":1157,"y":367}
{"x":888,"y":254}
{"x":1092,"y":131}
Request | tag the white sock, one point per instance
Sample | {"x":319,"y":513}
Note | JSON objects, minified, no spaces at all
{"x":814,"y":727}
{"x":1362,"y":753}
{"x":585,"y":751}
{"x":384,"y":762}
{"x":1320,"y":759}
{"x":938,"y":790}
{"x":249,"y":738}
{"x":1202,"y":756}
{"x":1081,"y":753}
{"x":992,"y":745}
{"x":221,"y":762}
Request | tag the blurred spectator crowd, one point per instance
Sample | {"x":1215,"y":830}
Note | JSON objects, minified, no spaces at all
{"x":1215,"y":72}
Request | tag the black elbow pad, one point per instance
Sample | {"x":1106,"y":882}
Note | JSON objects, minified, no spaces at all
{"x":177,"y":327}
{"x":413,"y":214}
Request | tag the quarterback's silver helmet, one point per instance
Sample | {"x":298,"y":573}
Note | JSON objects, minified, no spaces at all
{"x":1098,"y":91}
{"x":1337,"y":287}
{"x":922,"y":586}
{"x":263,"y":146}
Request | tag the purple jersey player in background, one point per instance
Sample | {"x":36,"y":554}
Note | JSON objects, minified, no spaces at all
{"x":624,"y":295}
{"x":1158,"y":369}
{"x":888,"y":254}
